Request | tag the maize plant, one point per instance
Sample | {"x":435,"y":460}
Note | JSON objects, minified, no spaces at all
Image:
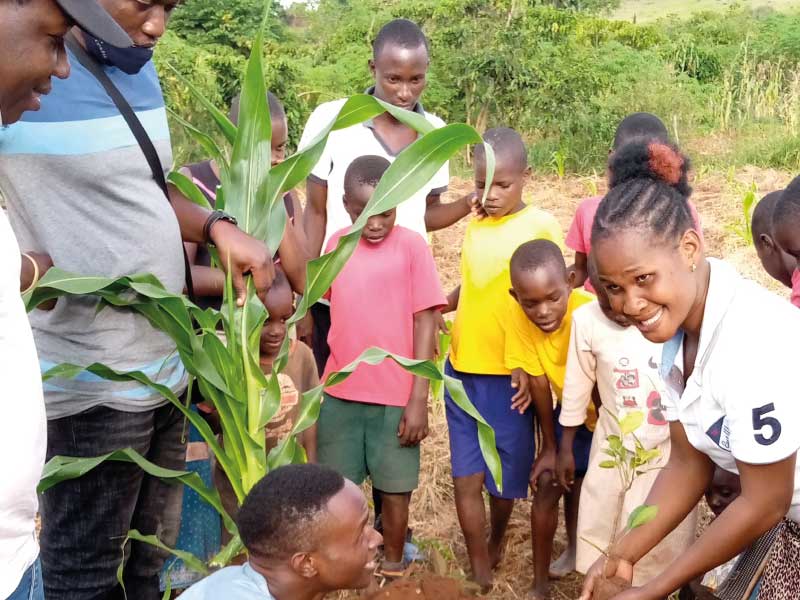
{"x":227,"y":372}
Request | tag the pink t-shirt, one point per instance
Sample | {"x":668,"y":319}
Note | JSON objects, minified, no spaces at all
{"x":579,"y":236}
{"x":373,"y":301}
{"x":796,"y":288}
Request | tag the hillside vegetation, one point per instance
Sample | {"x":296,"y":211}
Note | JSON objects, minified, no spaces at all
{"x":725,"y":81}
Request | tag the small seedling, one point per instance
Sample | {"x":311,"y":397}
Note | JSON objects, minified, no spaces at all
{"x":629,"y":465}
{"x":741,"y":228}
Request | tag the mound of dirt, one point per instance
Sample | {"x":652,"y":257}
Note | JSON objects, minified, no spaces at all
{"x":429,"y":587}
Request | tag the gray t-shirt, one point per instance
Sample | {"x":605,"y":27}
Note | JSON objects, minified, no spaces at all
{"x":78,"y":187}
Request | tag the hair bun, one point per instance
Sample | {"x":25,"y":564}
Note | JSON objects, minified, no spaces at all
{"x":665,"y":162}
{"x":650,"y":159}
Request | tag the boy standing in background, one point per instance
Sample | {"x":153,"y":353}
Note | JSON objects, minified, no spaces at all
{"x":477,"y":356}
{"x":386,"y":296}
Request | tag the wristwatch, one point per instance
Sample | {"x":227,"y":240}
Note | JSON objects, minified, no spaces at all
{"x":216,"y":215}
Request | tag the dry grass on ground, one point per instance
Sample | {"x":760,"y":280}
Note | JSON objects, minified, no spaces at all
{"x":718,"y":200}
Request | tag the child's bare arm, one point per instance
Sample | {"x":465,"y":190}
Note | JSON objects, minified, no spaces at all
{"x":543,"y":401}
{"x":414,"y":423}
{"x":580,"y":269}
{"x":565,"y":463}
{"x":452,"y":300}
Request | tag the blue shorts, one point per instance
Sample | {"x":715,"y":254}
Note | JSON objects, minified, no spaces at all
{"x":580,"y":447}
{"x":491,"y":395}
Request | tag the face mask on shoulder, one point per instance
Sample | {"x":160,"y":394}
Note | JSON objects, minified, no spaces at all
{"x":129,"y":60}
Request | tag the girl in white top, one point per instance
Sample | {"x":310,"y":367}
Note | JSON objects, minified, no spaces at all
{"x":731,"y":372}
{"x":608,"y":354}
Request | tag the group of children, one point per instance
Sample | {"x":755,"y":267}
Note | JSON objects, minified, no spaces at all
{"x":534,"y":342}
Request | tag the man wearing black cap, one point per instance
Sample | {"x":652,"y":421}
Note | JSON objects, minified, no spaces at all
{"x":31,"y":52}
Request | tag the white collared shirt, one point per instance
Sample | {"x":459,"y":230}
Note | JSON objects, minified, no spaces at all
{"x":741,"y":401}
{"x":343,"y":147}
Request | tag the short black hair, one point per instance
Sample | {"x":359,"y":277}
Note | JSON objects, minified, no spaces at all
{"x":507,"y":144}
{"x":649,"y":190}
{"x":281,"y":514}
{"x":761,"y":220}
{"x":276,"y":110}
{"x":280,"y":280}
{"x":788,"y":205}
{"x":536,"y":254}
{"x":640,"y":125}
{"x":365,"y":170}
{"x":399,"y":32}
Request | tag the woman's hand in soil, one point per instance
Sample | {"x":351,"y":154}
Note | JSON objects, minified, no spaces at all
{"x":522,"y":399}
{"x":413,"y":426}
{"x":545,"y":463}
{"x":608,"y":568}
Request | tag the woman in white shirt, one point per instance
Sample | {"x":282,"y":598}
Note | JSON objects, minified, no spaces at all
{"x":728,"y":359}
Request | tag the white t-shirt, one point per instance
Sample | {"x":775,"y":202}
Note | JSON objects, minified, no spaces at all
{"x":344,"y":146}
{"x":624,"y":366}
{"x":23,"y":442}
{"x":741,"y":401}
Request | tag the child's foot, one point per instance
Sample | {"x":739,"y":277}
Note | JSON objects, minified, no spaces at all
{"x":496,"y":553}
{"x":484,"y":583}
{"x":563,"y":565}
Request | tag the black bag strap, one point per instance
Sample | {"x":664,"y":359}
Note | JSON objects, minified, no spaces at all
{"x":137,"y":129}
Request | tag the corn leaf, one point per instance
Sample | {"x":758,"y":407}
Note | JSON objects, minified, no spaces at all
{"x":188,"y":188}
{"x":189,"y":559}
{"x":63,"y":468}
{"x":224,"y":124}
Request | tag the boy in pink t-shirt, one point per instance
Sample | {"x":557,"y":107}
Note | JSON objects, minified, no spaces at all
{"x":579,"y":236}
{"x":386,"y":296}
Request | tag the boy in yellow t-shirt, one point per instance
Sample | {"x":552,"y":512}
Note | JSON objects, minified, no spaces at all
{"x":537,"y":340}
{"x":477,"y":353}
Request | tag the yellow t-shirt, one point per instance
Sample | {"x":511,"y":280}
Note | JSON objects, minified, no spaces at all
{"x":540,"y":353}
{"x":478,"y":344}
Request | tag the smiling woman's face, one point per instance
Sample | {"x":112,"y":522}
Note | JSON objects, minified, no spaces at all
{"x":648,"y":280}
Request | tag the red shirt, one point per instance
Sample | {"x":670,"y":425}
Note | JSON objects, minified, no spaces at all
{"x":373,"y":301}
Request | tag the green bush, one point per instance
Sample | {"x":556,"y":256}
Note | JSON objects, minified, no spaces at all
{"x":553,"y":69}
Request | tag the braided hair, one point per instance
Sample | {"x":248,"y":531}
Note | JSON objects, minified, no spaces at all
{"x":649,"y":191}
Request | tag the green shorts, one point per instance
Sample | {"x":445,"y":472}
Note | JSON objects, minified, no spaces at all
{"x":360,"y":440}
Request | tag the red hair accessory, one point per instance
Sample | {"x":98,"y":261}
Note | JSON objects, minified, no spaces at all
{"x":665,"y":162}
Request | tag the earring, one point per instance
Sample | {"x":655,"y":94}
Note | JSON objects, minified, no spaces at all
{"x":694,"y":267}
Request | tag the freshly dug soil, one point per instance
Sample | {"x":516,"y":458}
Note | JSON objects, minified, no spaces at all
{"x":604,"y":589}
{"x":429,"y":587}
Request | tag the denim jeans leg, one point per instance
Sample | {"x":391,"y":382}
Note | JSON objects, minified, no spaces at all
{"x":85,"y":520}
{"x":30,"y":586}
{"x":158,"y":510}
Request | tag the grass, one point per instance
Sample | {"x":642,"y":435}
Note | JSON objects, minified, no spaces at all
{"x":650,"y":10}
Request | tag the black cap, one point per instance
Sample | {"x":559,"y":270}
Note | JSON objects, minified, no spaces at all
{"x":91,"y":17}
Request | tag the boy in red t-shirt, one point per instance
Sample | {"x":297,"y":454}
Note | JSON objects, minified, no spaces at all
{"x":386,"y":296}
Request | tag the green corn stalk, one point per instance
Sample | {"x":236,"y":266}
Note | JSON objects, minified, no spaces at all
{"x":559,"y":162}
{"x":227,"y":372}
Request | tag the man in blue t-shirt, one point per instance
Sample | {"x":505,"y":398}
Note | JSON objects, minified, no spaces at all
{"x":307,"y":532}
{"x":80,"y":191}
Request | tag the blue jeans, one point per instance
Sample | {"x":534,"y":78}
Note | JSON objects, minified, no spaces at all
{"x":30,"y":586}
{"x":85,"y":520}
